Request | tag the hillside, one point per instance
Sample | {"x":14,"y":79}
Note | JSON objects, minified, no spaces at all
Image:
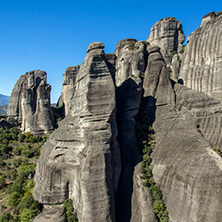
{"x":4,"y":100}
{"x":3,"y":109}
{"x":18,"y":155}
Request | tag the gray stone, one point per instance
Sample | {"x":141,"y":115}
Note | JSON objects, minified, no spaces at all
{"x":130,"y":64}
{"x":68,"y":88}
{"x":185,"y":165}
{"x":168,"y":35}
{"x":175,"y":67}
{"x":201,"y":67}
{"x":93,"y":157}
{"x":81,"y":159}
{"x":30,"y":103}
{"x":157,"y":85}
{"x":142,"y":205}
{"x":111,"y":63}
{"x":51,"y":214}
{"x":95,"y":45}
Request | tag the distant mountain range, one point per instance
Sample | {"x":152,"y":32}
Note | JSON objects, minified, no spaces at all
{"x":4,"y":100}
{"x":3,"y":109}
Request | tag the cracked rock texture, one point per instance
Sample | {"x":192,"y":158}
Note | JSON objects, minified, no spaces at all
{"x":30,"y":103}
{"x":142,"y":205}
{"x":185,"y":165}
{"x":130,"y":64}
{"x":68,"y":88}
{"x":81,"y":159}
{"x":168,"y":35}
{"x":202,"y":62}
{"x":93,"y":157}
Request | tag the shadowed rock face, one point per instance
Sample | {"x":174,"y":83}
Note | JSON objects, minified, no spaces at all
{"x":202,"y":64}
{"x":81,"y":159}
{"x":168,"y":35}
{"x":30,"y":103}
{"x":130,"y":64}
{"x":68,"y":87}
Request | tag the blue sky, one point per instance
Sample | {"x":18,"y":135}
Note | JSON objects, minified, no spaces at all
{"x":52,"y":35}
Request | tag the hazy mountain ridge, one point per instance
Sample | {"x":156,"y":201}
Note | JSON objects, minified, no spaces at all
{"x":3,"y":109}
{"x":4,"y":100}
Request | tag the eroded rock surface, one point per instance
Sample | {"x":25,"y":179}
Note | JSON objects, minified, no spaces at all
{"x":130,"y":64}
{"x":202,"y":62}
{"x":68,"y":88}
{"x":184,"y":161}
{"x":81,"y":159}
{"x":93,"y":157}
{"x":168,"y":35}
{"x":30,"y":103}
{"x":142,"y":205}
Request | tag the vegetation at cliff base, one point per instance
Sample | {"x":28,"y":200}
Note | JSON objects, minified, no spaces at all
{"x":146,"y":140}
{"x":218,"y":150}
{"x":18,"y":155}
{"x":70,"y":215}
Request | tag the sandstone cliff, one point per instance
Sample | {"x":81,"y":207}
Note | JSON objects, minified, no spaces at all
{"x":30,"y":103}
{"x":185,"y":164}
{"x":93,"y":157}
{"x":202,"y":64}
{"x":68,"y":88}
{"x":168,"y":35}
{"x":81,"y":160}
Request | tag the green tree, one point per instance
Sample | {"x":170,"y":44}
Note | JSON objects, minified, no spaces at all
{"x":6,"y":217}
{"x":14,"y":199}
{"x":2,"y":180}
{"x":27,"y":215}
{"x":70,"y":215}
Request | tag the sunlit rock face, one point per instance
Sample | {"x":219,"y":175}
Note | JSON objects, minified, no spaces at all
{"x":202,"y":62}
{"x":81,"y":159}
{"x":68,"y":88}
{"x":93,"y":157}
{"x":30,"y":103}
{"x":130,"y":60}
{"x":185,"y":164}
{"x":168,"y":35}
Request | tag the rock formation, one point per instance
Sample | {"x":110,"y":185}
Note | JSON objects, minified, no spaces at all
{"x":93,"y":157}
{"x":130,"y":65}
{"x":81,"y":160}
{"x":30,"y":103}
{"x":168,"y":35}
{"x":202,"y":64}
{"x":184,"y":161}
{"x":68,"y":88}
